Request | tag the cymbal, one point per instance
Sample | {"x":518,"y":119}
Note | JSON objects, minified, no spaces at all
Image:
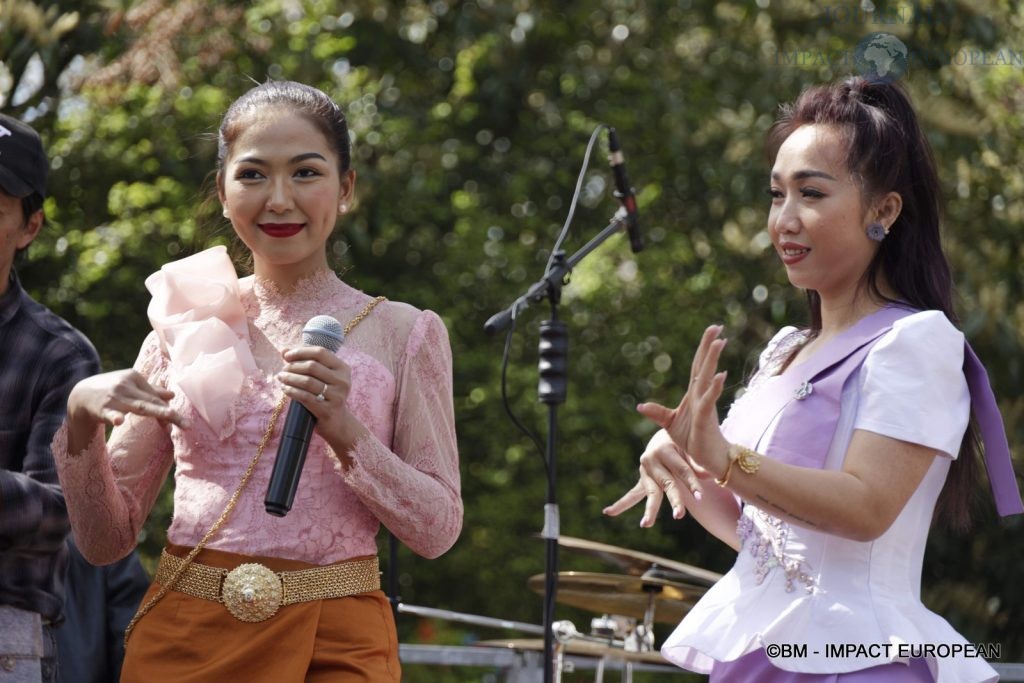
{"x":579,"y":647}
{"x":626,"y":596}
{"x":635,"y":563}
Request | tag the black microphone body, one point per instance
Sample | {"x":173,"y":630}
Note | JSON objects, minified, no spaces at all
{"x":298,"y":426}
{"x":624,"y":191}
{"x":291,"y":456}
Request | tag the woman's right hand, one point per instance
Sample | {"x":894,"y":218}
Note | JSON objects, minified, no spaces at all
{"x":664,"y":471}
{"x":110,"y":396}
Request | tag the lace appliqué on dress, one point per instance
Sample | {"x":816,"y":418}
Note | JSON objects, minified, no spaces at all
{"x":775,"y":356}
{"x":767,"y":543}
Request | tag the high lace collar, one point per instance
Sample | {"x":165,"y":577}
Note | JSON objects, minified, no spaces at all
{"x":321,"y":292}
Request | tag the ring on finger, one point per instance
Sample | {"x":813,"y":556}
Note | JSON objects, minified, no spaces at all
{"x":321,"y":397}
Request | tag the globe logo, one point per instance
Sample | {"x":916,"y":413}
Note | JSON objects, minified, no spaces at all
{"x":881,"y":57}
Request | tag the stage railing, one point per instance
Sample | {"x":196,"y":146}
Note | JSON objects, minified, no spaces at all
{"x":526,"y":666}
{"x":521,"y":666}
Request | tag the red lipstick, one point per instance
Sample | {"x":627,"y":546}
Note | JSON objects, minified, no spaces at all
{"x":281,"y":229}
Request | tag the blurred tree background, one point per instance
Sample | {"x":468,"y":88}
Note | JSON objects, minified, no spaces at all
{"x":469,"y":121}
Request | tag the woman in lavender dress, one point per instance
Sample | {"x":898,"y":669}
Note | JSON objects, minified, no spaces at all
{"x":826,"y":472}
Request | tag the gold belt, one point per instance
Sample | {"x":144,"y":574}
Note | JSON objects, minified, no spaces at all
{"x":253,"y":592}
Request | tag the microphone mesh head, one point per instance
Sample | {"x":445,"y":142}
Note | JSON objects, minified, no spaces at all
{"x":325,"y":331}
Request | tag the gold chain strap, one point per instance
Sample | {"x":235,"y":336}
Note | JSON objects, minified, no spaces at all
{"x":363,"y":313}
{"x":166,"y":588}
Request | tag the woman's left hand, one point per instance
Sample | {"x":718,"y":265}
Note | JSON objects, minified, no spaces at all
{"x":702,"y":440}
{"x":321,"y":382}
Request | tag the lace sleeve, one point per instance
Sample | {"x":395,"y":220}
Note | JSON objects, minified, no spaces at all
{"x":415,"y":490}
{"x":110,"y":487}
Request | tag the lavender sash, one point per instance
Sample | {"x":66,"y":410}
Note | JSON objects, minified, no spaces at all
{"x":998,"y":463}
{"x":806,"y":399}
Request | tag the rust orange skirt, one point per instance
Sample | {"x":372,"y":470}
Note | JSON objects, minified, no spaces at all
{"x":191,"y":640}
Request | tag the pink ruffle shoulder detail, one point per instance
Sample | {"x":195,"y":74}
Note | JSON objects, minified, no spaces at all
{"x":197,"y":313}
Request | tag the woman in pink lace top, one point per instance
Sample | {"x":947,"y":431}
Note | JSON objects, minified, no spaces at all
{"x":224,"y":354}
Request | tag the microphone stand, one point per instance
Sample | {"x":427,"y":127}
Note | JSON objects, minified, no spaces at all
{"x":551,"y":390}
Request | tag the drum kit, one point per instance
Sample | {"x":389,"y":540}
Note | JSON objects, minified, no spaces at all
{"x":648,"y":590}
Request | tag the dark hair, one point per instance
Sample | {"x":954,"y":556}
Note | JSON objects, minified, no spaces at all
{"x":888,"y":152}
{"x":31,"y":204}
{"x":304,"y":100}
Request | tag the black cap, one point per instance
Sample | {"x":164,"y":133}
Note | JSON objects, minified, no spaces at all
{"x":23,"y":163}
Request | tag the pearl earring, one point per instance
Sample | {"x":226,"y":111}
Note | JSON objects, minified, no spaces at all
{"x":343,"y":208}
{"x":877,"y":231}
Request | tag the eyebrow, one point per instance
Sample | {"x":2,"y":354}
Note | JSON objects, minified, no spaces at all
{"x":803,"y":174}
{"x":293,"y":160}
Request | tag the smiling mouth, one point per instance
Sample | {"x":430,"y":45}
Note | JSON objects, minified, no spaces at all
{"x":281,"y":229}
{"x":795,"y":252}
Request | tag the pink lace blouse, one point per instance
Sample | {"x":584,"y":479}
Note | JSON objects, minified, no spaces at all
{"x":216,"y":343}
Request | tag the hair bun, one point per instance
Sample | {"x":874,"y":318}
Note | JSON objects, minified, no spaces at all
{"x":861,"y":88}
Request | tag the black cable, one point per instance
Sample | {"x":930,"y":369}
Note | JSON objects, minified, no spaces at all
{"x":504,"y":395}
{"x":515,"y":307}
{"x":575,"y":197}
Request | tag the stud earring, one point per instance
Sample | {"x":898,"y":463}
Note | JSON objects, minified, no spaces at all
{"x":343,"y":208}
{"x":877,"y":231}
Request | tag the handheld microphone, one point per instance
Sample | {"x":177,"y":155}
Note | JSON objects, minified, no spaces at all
{"x":324,"y":331}
{"x":624,"y":191}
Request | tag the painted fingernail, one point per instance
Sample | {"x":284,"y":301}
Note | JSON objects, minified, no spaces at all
{"x":677,"y":512}
{"x":697,"y":495}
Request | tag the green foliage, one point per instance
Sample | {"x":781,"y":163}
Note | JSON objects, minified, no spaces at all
{"x":469,"y":122}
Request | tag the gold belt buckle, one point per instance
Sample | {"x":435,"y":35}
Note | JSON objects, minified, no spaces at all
{"x":252,"y":592}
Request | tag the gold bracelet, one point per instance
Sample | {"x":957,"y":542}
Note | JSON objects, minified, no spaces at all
{"x":728,"y":468}
{"x":746,"y":459}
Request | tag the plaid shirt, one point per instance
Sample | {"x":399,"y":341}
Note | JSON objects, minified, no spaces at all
{"x":41,"y":359}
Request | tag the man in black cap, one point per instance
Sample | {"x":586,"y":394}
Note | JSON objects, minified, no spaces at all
{"x":41,"y":359}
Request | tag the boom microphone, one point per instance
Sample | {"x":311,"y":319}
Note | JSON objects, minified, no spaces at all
{"x":624,"y":191}
{"x":324,"y":331}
